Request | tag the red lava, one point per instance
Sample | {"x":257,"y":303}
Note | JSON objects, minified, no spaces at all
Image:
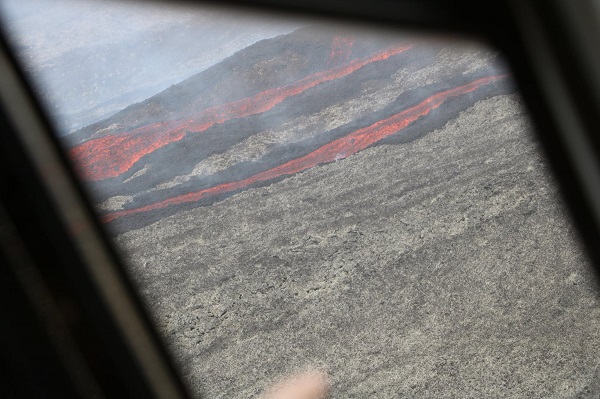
{"x":112,"y":155}
{"x":337,"y":149}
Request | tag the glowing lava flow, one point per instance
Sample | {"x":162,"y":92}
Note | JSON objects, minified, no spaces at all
{"x":337,"y":149}
{"x":110,"y":156}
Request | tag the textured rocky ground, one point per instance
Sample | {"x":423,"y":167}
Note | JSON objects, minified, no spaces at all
{"x":430,"y":256}
{"x":444,"y":267}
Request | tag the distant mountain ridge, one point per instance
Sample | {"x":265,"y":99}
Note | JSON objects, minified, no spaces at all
{"x":89,"y":60}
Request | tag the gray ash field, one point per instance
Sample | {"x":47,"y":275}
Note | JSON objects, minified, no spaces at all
{"x":437,"y":261}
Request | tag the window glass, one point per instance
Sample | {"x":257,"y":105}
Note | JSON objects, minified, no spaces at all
{"x":361,"y":212}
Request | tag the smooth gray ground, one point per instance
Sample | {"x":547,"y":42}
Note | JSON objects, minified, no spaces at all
{"x":445,"y":267}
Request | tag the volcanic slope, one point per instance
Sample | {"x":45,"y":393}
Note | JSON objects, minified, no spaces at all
{"x":389,"y":219}
{"x":296,"y":101}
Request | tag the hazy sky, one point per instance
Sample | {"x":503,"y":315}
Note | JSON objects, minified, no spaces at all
{"x":90,"y":59}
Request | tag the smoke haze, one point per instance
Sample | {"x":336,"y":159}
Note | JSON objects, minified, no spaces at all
{"x":91,"y":59}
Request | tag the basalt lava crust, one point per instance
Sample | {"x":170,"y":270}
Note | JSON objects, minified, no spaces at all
{"x":380,"y":209}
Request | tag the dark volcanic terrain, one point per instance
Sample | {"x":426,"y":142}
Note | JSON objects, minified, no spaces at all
{"x":376,"y":207}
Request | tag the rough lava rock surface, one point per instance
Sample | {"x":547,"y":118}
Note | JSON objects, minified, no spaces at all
{"x":438,"y":262}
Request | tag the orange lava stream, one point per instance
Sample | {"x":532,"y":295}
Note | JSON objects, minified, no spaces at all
{"x":112,"y":155}
{"x":335,"y":150}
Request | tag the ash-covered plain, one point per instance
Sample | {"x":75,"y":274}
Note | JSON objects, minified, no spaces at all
{"x":444,"y":267}
{"x":430,"y":257}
